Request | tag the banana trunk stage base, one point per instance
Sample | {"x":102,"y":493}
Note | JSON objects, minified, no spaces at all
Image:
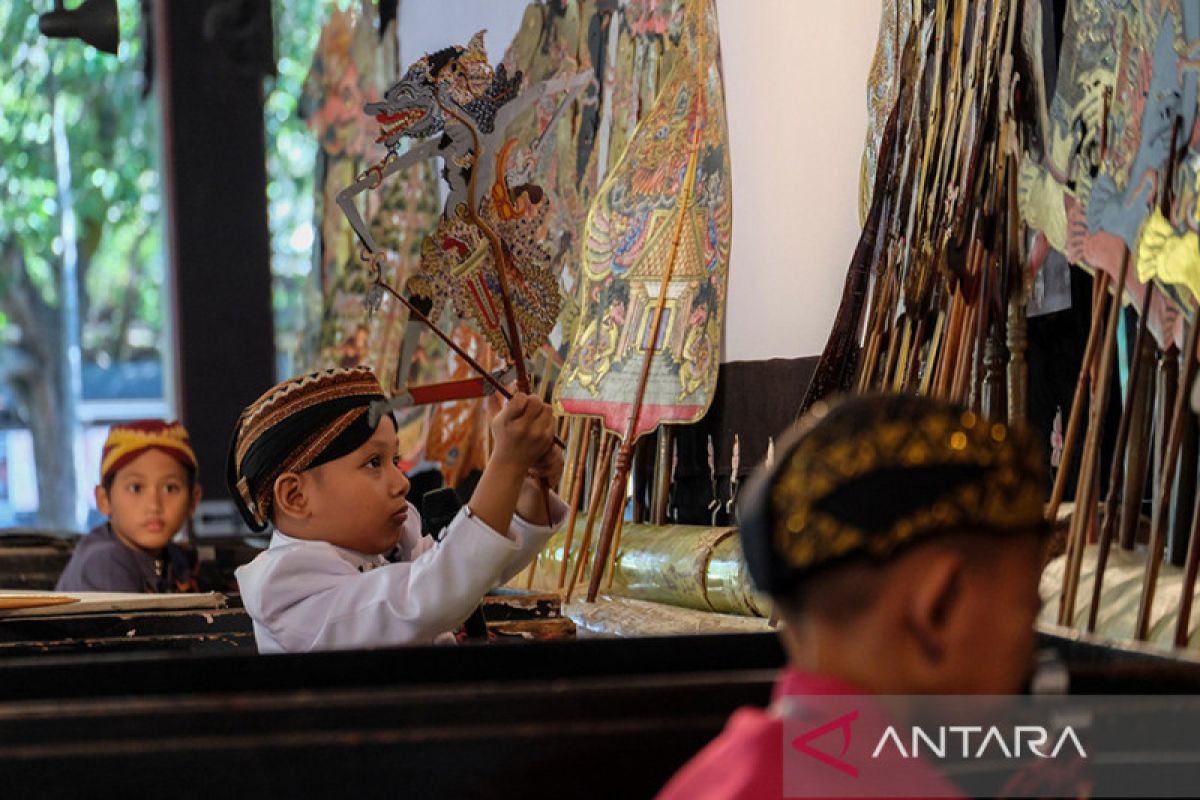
{"x":689,"y":566}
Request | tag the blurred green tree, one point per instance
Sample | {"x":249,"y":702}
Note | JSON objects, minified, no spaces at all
{"x":77,"y":159}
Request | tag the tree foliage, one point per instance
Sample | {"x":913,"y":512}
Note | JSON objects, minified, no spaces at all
{"x":291,"y":159}
{"x":74,"y":131}
{"x":112,"y":135}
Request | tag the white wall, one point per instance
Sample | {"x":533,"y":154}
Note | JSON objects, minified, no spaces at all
{"x":429,"y":25}
{"x":795,"y":94}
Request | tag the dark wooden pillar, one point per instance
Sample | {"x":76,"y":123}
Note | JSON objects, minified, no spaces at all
{"x":210,"y":58}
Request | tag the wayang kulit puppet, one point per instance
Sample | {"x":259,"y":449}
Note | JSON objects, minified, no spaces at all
{"x":655,"y":266}
{"x":485,"y":254}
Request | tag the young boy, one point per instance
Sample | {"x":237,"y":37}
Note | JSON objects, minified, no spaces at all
{"x":306,"y":459}
{"x":148,"y":490}
{"x":900,"y":538}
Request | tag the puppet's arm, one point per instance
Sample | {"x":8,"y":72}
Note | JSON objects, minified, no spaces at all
{"x":512,"y":110}
{"x":575,"y":86}
{"x":372,"y":178}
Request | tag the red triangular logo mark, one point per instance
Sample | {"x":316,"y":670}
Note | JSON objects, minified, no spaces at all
{"x":842,"y":723}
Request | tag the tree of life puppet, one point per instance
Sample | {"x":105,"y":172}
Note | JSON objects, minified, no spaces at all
{"x":655,"y":265}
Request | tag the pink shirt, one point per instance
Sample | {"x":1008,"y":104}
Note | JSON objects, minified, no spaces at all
{"x":746,"y":760}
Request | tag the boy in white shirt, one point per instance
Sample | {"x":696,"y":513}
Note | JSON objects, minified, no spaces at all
{"x":305,"y":459}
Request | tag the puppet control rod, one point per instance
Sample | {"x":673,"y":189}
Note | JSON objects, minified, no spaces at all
{"x":500,"y":388}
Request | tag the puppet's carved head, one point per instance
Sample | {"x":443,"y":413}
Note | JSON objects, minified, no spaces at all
{"x":409,"y":107}
{"x":459,"y":76}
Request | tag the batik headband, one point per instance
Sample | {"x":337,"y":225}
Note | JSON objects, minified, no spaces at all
{"x":870,"y":474}
{"x":297,"y":425}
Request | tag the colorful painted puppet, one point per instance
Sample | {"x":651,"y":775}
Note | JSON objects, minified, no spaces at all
{"x":459,"y":108}
{"x":658,"y":237}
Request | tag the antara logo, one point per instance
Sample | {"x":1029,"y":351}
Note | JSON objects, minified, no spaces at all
{"x":842,"y":724}
{"x":1026,"y":740}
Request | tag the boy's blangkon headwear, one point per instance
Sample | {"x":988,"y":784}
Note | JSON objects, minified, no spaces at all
{"x":870,"y":474}
{"x":127,"y":440}
{"x":298,"y":424}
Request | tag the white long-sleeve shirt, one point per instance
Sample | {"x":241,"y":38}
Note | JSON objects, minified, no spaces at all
{"x":305,"y":595}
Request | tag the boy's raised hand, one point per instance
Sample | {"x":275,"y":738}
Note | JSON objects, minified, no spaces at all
{"x":549,"y":466}
{"x":523,"y":432}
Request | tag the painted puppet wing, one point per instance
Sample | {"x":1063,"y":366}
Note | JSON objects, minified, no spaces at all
{"x":676,"y":163}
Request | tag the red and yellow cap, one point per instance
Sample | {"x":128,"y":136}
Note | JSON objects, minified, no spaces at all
{"x":128,"y":440}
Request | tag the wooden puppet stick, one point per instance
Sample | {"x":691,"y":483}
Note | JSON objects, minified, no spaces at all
{"x":616,"y":549}
{"x":979,"y":333}
{"x":1114,"y":478}
{"x":570,"y":428}
{"x":877,"y":323}
{"x":889,"y":363}
{"x":914,"y":356}
{"x":961,"y":375}
{"x":599,"y":479}
{"x":1138,"y":450}
{"x":905,"y":343}
{"x":1081,"y":385}
{"x":453,"y":345}
{"x":1159,"y":520}
{"x":1089,"y":471}
{"x":941,"y":379}
{"x":576,"y":493}
{"x":834,"y":369}
{"x":1190,"y":570}
{"x":544,"y":383}
{"x":662,"y":461}
{"x":1158,"y":523}
{"x":960,"y":368}
{"x":935,"y":342}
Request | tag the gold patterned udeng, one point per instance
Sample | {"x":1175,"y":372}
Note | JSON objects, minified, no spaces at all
{"x":1009,"y":494}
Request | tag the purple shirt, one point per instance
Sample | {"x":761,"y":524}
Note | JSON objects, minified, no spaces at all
{"x":103,"y":563}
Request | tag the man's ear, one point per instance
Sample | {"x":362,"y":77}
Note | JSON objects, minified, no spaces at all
{"x":289,"y":495}
{"x":102,"y":504}
{"x":936,"y":583}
